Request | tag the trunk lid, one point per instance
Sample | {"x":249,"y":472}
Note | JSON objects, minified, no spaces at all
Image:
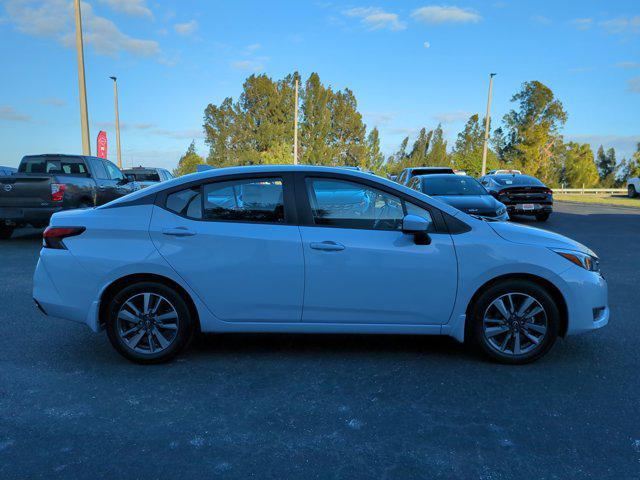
{"x":25,"y":190}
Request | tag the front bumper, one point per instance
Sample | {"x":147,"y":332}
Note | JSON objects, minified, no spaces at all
{"x":27,"y":215}
{"x":587,"y":300}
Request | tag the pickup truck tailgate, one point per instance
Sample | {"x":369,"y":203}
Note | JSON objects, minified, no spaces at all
{"x":25,"y":191}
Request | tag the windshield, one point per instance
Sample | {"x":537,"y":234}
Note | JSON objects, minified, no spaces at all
{"x":517,"y":180}
{"x":452,"y":185}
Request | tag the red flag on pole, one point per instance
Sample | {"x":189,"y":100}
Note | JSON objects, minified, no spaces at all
{"x":102,"y":144}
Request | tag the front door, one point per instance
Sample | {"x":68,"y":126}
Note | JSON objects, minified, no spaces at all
{"x":235,"y":245}
{"x":361,"y":268}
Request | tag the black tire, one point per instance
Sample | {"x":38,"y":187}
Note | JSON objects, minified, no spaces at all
{"x":542,"y":217}
{"x":631,"y":191}
{"x":475,"y":332}
{"x":5,"y":232}
{"x":183,"y":332}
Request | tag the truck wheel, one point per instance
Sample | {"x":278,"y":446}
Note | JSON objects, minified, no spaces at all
{"x":631,"y":191}
{"x":5,"y":232}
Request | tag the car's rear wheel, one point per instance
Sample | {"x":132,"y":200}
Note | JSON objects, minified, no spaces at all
{"x":148,"y":322}
{"x":5,"y":232}
{"x":514,"y":322}
{"x":542,"y":217}
{"x":631,"y":191}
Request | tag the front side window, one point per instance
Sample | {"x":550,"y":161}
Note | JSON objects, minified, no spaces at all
{"x":113,"y":171}
{"x":346,"y":204}
{"x":246,"y":200}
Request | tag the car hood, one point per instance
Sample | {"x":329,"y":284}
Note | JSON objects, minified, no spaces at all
{"x":536,"y":236}
{"x":469,"y":203}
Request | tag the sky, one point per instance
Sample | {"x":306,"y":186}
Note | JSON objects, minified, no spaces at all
{"x":410,"y":64}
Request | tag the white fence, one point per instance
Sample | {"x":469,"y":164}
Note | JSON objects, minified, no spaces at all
{"x":591,"y":191}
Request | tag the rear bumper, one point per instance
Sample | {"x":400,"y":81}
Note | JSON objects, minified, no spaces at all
{"x":24,"y":215}
{"x":516,"y":209}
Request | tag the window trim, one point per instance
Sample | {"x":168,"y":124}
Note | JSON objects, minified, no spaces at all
{"x":305,"y":211}
{"x":288,"y":197}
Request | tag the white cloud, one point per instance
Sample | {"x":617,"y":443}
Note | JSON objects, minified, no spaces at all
{"x":186,"y":28}
{"x":541,"y":19}
{"x":434,"y":15}
{"x":628,"y":64}
{"x":253,"y":47}
{"x":452,"y":117}
{"x":53,"y":102}
{"x":54,"y":19}
{"x":249,"y":65}
{"x":622,"y":25}
{"x":135,"y":8}
{"x":374,"y":18}
{"x":7,"y":112}
{"x":634,"y":85}
{"x":582,"y":23}
{"x":426,"y":45}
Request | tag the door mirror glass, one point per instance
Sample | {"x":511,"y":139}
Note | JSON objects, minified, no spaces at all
{"x":415,"y":224}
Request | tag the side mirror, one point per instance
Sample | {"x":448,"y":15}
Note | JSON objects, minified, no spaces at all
{"x":418,"y":227}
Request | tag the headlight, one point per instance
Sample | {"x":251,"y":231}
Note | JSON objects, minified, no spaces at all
{"x":583,"y":260}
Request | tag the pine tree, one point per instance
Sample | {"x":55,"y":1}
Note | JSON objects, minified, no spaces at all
{"x":188,"y":162}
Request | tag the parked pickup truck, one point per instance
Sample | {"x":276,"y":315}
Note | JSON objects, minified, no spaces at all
{"x":633,"y":187}
{"x":45,"y":184}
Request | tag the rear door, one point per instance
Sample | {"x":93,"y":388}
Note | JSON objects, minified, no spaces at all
{"x":235,"y":241}
{"x":360,"y":267}
{"x":102,"y":179}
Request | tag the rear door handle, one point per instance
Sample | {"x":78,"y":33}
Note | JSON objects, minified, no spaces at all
{"x":178,"y":232}
{"x":327,"y":246}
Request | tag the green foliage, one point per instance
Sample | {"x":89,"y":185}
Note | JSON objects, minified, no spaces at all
{"x":188,"y":162}
{"x":579,"y":166}
{"x":606,"y":162}
{"x":531,"y":131}
{"x":467,"y":153}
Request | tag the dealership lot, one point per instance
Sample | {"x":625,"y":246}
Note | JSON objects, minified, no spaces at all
{"x":291,"y":406}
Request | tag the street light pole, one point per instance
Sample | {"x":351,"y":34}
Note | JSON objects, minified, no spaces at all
{"x":82,"y":88}
{"x":115,"y":101}
{"x":486,"y":126}
{"x":295,"y":127}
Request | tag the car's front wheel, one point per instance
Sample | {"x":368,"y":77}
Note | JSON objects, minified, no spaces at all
{"x":148,"y":322}
{"x":514,"y":322}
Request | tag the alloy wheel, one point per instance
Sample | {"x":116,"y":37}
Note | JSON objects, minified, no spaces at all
{"x":515,"y":324}
{"x":147,"y":323}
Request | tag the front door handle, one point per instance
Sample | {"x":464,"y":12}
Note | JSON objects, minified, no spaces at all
{"x":327,"y":246}
{"x":178,"y":232}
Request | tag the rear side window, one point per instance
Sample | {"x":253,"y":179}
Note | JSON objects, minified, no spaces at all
{"x":255,"y":200}
{"x":53,"y":165}
{"x":187,"y":203}
{"x":98,"y":168}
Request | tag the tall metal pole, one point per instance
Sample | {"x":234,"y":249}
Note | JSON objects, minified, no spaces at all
{"x":295,"y":127}
{"x":115,"y":101}
{"x":82,"y":88}
{"x":486,"y":126}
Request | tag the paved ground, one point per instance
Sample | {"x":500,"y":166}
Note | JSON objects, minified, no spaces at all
{"x":279,"y":406}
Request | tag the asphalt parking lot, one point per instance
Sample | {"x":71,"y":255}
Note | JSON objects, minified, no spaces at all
{"x":295,"y":406}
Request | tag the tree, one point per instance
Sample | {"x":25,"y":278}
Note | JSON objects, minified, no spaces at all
{"x":532,"y":131}
{"x":606,"y":162}
{"x":418,"y":154}
{"x":579,"y":166}
{"x":467,"y":152}
{"x":374,"y":158}
{"x":188,"y":162}
{"x":437,"y":155}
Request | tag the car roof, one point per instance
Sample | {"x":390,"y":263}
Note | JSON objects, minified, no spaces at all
{"x":261,"y":169}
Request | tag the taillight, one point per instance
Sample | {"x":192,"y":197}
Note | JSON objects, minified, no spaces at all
{"x":548,"y":191}
{"x":53,"y":236}
{"x":57,"y":191}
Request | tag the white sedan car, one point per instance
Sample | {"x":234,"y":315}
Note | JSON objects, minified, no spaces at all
{"x":311,"y":250}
